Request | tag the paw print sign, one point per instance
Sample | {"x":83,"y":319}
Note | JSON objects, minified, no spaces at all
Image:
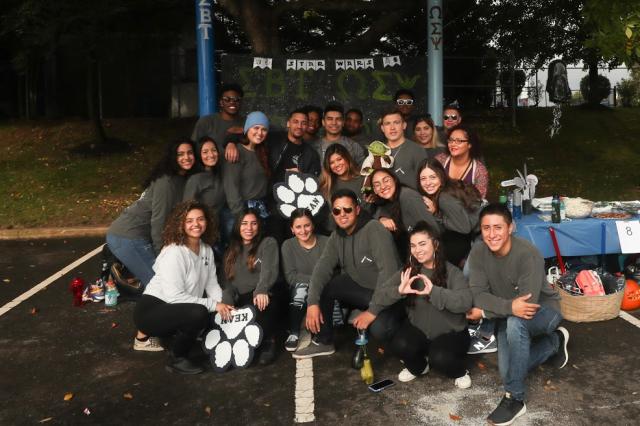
{"x":233,"y":341}
{"x":299,"y":190}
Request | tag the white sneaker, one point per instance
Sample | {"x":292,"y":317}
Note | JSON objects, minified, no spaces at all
{"x":406,"y":375}
{"x":152,"y":344}
{"x":463,"y":382}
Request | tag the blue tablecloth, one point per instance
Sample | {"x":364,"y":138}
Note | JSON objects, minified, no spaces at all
{"x":578,"y":237}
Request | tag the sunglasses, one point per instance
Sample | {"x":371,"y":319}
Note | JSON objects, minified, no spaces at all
{"x":450,"y":117}
{"x":338,"y":210}
{"x":231,"y":99}
{"x":404,"y":101}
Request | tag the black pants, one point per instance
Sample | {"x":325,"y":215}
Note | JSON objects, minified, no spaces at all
{"x":267,"y":319}
{"x":350,"y":294}
{"x":447,"y":352}
{"x":184,"y":321}
{"x":456,"y":246}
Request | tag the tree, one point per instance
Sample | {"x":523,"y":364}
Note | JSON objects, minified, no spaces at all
{"x":600,"y":92}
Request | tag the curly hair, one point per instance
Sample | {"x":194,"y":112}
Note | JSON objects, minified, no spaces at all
{"x":173,"y":232}
{"x":168,"y":164}
{"x":475,"y":150}
{"x":468,"y":194}
{"x":236,"y":245}
{"x":327,"y":177}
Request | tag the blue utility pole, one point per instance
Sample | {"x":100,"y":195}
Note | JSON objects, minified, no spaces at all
{"x":206,"y":58}
{"x":434,"y":60}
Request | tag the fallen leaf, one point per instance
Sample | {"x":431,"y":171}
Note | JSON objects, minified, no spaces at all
{"x":46,"y":419}
{"x":166,"y":404}
{"x":455,"y":417}
{"x":68,"y":396}
{"x":33,"y":311}
{"x":114,"y":325}
{"x":6,"y":280}
{"x":549,"y":381}
{"x":207,"y":410}
{"x":481,"y":366}
{"x":127,"y":395}
{"x":86,"y":411}
{"x":266,"y":404}
{"x":381,"y":351}
{"x":404,"y":402}
{"x":575,"y":366}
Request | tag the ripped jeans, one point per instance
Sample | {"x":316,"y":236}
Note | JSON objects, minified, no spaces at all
{"x":297,"y":306}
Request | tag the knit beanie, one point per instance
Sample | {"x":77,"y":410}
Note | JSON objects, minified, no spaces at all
{"x":256,"y":118}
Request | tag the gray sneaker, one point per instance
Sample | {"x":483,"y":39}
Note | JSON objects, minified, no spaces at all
{"x":314,"y":349}
{"x":481,"y":345}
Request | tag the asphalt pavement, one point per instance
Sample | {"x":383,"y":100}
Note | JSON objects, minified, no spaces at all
{"x":49,"y":349}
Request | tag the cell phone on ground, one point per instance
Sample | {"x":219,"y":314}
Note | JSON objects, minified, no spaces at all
{"x":381,"y":385}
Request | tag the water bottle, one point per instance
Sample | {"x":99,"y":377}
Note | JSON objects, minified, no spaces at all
{"x":111,"y":295}
{"x":555,"y":209}
{"x":563,"y":211}
{"x":510,"y":202}
{"x":503,"y":199}
{"x":104,"y":274}
{"x":366,"y":372}
{"x":357,"y":362}
{"x":517,"y":205}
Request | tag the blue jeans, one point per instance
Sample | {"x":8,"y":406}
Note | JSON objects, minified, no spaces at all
{"x":525,"y":344}
{"x":137,"y":255}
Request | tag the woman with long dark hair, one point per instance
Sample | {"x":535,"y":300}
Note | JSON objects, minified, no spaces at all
{"x":299,"y":256}
{"x":398,"y":207}
{"x":184,"y":290}
{"x":455,"y":205}
{"x":205,"y":185}
{"x":135,"y":237}
{"x":437,"y":298}
{"x":251,"y":267}
{"x":462,"y":160}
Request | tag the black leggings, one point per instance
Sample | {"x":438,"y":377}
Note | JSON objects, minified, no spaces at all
{"x":456,"y":246}
{"x":351,"y":294}
{"x":155,"y":317}
{"x":267,"y":319}
{"x":447,"y":352}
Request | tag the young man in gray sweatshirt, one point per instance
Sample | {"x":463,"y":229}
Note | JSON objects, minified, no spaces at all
{"x":508,"y":284}
{"x":364,"y":252}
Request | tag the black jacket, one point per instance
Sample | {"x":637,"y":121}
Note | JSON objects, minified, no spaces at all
{"x":309,"y":162}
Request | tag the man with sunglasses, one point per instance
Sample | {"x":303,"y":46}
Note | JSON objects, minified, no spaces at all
{"x":364,"y":252}
{"x":228,"y":121}
{"x":405,"y":101}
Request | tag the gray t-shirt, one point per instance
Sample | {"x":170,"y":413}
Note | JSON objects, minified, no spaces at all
{"x":412,"y":210}
{"x":298,"y":262}
{"x":357,"y":152}
{"x":215,"y":127}
{"x":406,"y":159}
{"x":207,"y":189}
{"x":262,"y":278}
{"x":244,"y":180}
{"x":496,"y":281}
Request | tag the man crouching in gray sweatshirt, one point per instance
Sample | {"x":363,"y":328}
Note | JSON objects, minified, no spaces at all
{"x":507,"y":281}
{"x":364,"y":251}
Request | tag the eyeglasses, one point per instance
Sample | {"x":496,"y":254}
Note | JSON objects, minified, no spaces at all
{"x":230,"y":99}
{"x":450,"y":117}
{"x":457,"y":141}
{"x":404,"y":101}
{"x":384,"y":181}
{"x":338,"y":210}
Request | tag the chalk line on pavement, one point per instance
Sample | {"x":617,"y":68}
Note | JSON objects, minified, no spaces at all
{"x":44,"y":284}
{"x":630,"y":318}
{"x":304,"y":397}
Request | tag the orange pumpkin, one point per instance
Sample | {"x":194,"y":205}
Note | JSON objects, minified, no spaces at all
{"x":631,"y":298}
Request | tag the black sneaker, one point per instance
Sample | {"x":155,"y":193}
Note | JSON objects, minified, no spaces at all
{"x":562,"y":357}
{"x":507,"y":411}
{"x":291,"y":344}
{"x":183,"y":366}
{"x":267,"y":353}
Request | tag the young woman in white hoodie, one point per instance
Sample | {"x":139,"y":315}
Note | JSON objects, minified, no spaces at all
{"x":184,"y":291}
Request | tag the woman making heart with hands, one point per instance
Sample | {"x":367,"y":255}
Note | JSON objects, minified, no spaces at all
{"x":436,"y":296}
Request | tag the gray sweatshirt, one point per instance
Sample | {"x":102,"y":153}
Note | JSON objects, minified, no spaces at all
{"x":412,"y":210}
{"x":357,"y":152}
{"x":406,"y":159}
{"x":207,"y":189}
{"x":496,"y":281}
{"x":440,"y":313}
{"x":244,"y":180}
{"x":145,"y":218}
{"x":215,"y":127}
{"x":263,"y":277}
{"x":454,"y":217}
{"x":298,"y":262}
{"x":368,"y":256}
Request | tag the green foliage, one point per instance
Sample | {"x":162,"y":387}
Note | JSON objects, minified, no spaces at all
{"x":629,"y":92}
{"x":520,"y":79}
{"x":601,"y":92}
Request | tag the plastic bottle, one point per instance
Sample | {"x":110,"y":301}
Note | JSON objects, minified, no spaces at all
{"x":510,"y":201}
{"x":111,"y":295}
{"x":517,"y":205}
{"x":555,"y":209}
{"x":366,"y":372}
{"x":563,"y":211}
{"x":503,"y":198}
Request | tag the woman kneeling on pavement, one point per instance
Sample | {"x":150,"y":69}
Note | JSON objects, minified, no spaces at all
{"x":251,"y":267}
{"x":437,"y":298}
{"x":184,"y":290}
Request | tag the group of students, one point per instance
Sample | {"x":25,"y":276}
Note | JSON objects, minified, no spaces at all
{"x":394,"y":255}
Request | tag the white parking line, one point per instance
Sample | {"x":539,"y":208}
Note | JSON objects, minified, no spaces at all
{"x":44,"y":284}
{"x":304,"y":396}
{"x":630,"y":318}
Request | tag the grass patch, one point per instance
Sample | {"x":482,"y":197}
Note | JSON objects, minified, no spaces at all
{"x":42,"y":183}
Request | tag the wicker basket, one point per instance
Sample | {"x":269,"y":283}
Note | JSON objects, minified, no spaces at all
{"x":589,"y":308}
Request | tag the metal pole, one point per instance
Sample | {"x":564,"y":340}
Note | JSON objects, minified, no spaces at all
{"x":206,"y":59}
{"x":434,"y":59}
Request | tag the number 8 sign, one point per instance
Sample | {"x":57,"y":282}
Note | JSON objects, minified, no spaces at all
{"x":629,"y":236}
